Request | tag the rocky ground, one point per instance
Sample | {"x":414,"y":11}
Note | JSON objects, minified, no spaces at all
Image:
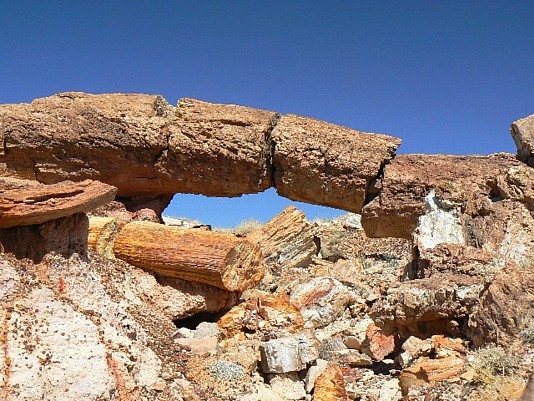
{"x":338,"y":316}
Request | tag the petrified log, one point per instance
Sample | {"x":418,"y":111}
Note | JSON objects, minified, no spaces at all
{"x":219,"y":149}
{"x":287,"y":239}
{"x":24,"y":202}
{"x":138,"y":143}
{"x":327,"y":164}
{"x":221,"y":260}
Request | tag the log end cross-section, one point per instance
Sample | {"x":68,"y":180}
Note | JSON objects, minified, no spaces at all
{"x":221,"y":260}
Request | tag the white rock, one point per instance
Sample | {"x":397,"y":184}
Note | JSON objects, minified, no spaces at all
{"x":288,"y":386}
{"x":63,"y":358}
{"x":438,"y":225}
{"x":288,"y":354}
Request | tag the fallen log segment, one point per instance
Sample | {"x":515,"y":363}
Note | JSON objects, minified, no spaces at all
{"x":220,"y":260}
{"x":24,"y":202}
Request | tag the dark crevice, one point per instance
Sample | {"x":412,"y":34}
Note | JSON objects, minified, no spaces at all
{"x":375,"y":185}
{"x":269,"y":148}
{"x":192,"y":322}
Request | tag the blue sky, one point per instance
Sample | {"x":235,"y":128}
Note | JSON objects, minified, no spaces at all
{"x":445,"y":76}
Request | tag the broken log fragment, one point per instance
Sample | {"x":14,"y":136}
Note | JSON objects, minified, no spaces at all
{"x":25,"y":202}
{"x":221,"y":260}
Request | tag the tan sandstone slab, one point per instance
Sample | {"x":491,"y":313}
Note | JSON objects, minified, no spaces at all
{"x":114,"y":138}
{"x":219,"y":149}
{"x":327,"y":164}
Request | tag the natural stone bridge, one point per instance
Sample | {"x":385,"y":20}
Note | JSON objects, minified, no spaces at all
{"x":150,"y":150}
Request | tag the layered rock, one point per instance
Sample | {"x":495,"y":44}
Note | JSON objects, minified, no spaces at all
{"x":218,"y":149}
{"x":150,"y":150}
{"x":24,"y":202}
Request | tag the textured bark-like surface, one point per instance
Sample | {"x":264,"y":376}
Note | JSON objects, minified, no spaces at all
{"x":523,"y":133}
{"x":287,"y":239}
{"x":24,"y":202}
{"x":327,"y":164}
{"x":464,"y":181}
{"x":114,"y":138}
{"x":221,"y":260}
{"x":330,"y":385}
{"x":219,"y":149}
{"x":64,"y":236}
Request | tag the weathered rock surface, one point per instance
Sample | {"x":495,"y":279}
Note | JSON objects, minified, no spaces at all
{"x":24,"y":202}
{"x":464,"y":181}
{"x":330,"y":385}
{"x":150,"y":150}
{"x":114,"y":138}
{"x":325,"y":164}
{"x":320,"y":300}
{"x":523,"y":133}
{"x":218,"y":149}
{"x":64,"y":236}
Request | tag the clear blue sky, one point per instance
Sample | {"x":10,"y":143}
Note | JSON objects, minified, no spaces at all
{"x":446,"y":77}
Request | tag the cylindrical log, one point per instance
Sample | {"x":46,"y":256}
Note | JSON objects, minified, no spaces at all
{"x":221,"y":260}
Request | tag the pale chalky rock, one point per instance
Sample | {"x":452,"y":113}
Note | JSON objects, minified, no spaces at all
{"x":288,"y":354}
{"x":523,"y":133}
{"x":218,"y":149}
{"x":412,"y":349}
{"x":327,"y":164}
{"x":314,"y":372}
{"x":320,"y":300}
{"x":287,"y":385}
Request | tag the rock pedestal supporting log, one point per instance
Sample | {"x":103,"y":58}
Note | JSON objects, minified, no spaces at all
{"x":221,"y":260}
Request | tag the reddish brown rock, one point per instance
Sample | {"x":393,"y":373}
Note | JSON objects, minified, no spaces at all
{"x":266,"y":316}
{"x":24,"y":202}
{"x":218,"y":149}
{"x":376,"y":344}
{"x":523,"y":133}
{"x":326,"y":164}
{"x":330,"y":385}
{"x":466,"y":182}
{"x":505,"y":308}
{"x":428,"y":371}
